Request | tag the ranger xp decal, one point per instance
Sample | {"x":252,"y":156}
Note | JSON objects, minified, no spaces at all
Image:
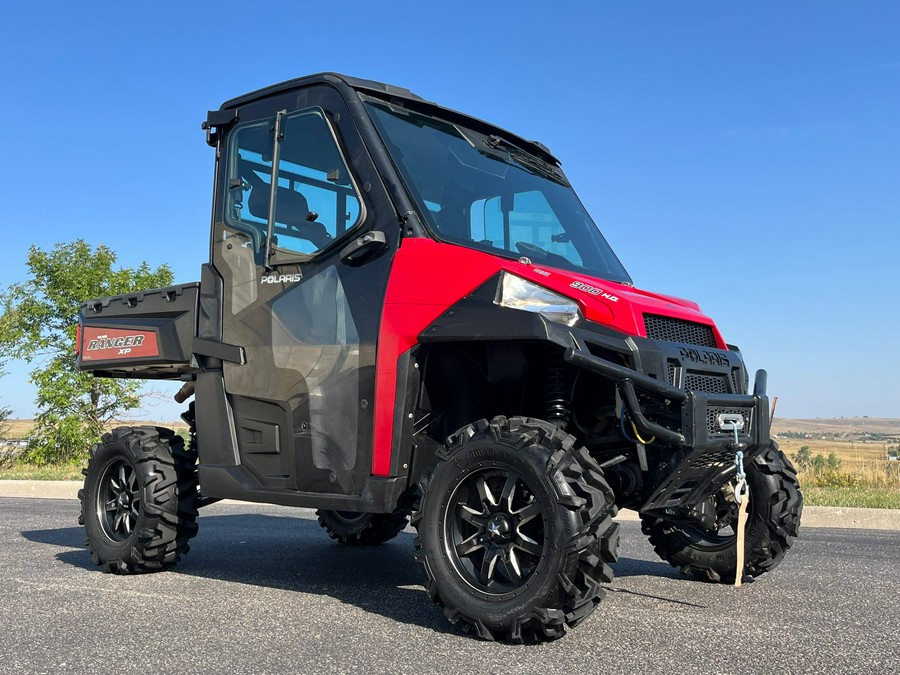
{"x":101,"y":344}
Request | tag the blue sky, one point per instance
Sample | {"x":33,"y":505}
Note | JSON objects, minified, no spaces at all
{"x":743,"y":155}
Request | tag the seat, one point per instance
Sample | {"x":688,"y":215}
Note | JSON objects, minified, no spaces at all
{"x":291,"y":208}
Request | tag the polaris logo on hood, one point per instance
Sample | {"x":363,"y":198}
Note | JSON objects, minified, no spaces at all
{"x":280,"y":278}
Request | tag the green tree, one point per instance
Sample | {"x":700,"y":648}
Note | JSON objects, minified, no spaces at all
{"x":4,"y":415}
{"x":6,"y":457}
{"x":803,"y":457}
{"x":38,"y":325}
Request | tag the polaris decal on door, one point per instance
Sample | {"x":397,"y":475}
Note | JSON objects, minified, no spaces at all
{"x":102,"y":344}
{"x":281,"y":278}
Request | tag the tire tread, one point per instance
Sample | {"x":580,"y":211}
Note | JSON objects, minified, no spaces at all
{"x":169,"y":504}
{"x":580,"y":488}
{"x":766,"y":551}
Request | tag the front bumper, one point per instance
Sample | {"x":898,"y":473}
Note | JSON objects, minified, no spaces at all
{"x":706,"y":452}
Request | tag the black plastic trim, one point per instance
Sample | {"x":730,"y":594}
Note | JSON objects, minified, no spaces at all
{"x":216,"y":439}
{"x":697,"y":457}
{"x":219,"y":350}
{"x":209,"y":304}
{"x":379,"y":495}
{"x":407,"y":391}
{"x":621,"y":373}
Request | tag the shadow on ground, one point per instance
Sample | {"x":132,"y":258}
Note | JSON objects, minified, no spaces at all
{"x":294,"y":554}
{"x":291,"y":554}
{"x":635,"y":567}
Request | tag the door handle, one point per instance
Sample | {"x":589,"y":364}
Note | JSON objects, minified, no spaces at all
{"x":363,"y":246}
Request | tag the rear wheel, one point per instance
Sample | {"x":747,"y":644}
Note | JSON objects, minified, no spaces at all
{"x":352,"y":527}
{"x":774,"y":511}
{"x":138,"y":504}
{"x":515,"y":530}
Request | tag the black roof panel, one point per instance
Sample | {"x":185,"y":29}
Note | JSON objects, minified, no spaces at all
{"x":388,"y":90}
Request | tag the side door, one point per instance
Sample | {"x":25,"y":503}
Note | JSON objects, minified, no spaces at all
{"x":299,"y":298}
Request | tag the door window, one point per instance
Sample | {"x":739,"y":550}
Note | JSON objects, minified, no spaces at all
{"x":315,"y":199}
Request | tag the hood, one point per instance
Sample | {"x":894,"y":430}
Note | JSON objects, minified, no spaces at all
{"x":612,"y":304}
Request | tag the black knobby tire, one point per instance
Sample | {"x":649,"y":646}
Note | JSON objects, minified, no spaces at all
{"x":773,"y":522}
{"x":352,"y":527}
{"x":139,"y":501}
{"x":515,"y":530}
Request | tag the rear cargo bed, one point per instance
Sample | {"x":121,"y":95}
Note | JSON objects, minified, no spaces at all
{"x":148,"y":334}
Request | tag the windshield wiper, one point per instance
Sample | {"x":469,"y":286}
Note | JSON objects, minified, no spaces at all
{"x":525,"y":160}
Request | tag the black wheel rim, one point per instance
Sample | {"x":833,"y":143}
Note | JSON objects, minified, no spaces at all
{"x":119,"y":501}
{"x":494,"y":531}
{"x":724,"y":533}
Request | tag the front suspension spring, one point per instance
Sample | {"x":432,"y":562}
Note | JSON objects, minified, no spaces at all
{"x":558,"y":401}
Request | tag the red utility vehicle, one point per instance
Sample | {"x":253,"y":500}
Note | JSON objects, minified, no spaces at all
{"x":407,"y":312}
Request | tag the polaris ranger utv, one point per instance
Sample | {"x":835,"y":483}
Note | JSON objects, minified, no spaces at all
{"x":408,"y":313}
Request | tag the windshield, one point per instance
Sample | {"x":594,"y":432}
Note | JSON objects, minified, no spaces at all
{"x":485,"y":193}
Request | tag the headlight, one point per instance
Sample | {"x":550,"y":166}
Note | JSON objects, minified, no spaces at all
{"x":517,"y":293}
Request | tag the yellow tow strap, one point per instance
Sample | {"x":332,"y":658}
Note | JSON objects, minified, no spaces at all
{"x":741,"y":527}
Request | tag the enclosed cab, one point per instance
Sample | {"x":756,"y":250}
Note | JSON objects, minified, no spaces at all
{"x":408,"y":311}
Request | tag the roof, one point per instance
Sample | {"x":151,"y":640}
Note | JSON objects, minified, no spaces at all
{"x":383,"y":90}
{"x":355,"y":82}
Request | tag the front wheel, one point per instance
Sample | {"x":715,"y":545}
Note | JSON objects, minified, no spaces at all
{"x":515,"y":530}
{"x":774,"y":511}
{"x":138,"y":504}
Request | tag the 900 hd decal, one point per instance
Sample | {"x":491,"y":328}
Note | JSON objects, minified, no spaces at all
{"x":103,"y":344}
{"x":593,"y":290}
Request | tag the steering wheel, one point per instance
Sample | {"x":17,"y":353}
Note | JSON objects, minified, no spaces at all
{"x":527,"y":248}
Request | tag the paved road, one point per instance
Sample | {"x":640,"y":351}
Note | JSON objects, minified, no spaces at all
{"x":264,"y":590}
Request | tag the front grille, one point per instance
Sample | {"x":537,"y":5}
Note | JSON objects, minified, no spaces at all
{"x":712,"y":420}
{"x":736,"y":381}
{"x":712,"y":384}
{"x":677,"y":330}
{"x":673,"y":372}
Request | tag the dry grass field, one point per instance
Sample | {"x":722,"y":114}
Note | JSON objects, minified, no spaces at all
{"x":21,"y":428}
{"x":861,"y":444}
{"x":855,"y":456}
{"x":863,"y":476}
{"x":11,"y":469}
{"x":16,"y":428}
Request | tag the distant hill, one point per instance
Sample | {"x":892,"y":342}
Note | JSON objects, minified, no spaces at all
{"x":848,"y":428}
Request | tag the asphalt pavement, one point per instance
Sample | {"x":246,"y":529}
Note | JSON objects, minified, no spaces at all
{"x":263,"y":589}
